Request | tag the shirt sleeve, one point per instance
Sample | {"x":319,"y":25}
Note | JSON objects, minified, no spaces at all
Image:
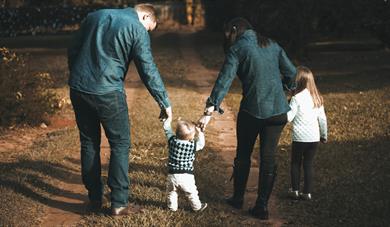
{"x":75,"y":45}
{"x":200,"y":141}
{"x":294,"y":109}
{"x":322,"y":121}
{"x":168,"y":130}
{"x":224,"y":80}
{"x":148,"y":71}
{"x":288,"y":71}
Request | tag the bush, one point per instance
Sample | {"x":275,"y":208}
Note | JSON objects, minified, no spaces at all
{"x":25,"y":97}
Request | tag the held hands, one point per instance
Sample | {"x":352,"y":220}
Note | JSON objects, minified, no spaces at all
{"x":198,"y":130}
{"x":166,"y":114}
{"x":205,"y":119}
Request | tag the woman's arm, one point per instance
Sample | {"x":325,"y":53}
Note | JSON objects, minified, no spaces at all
{"x":224,"y":81}
{"x":288,"y":71}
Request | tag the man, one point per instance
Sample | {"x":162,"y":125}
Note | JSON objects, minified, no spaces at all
{"x":98,"y":61}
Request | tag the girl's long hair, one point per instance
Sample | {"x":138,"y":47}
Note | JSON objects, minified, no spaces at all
{"x":305,"y":79}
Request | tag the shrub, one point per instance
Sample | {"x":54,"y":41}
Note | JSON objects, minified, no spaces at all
{"x":25,"y":97}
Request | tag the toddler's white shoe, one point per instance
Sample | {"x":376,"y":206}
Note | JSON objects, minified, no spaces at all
{"x":202,"y":208}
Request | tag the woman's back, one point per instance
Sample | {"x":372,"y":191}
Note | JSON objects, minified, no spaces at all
{"x":260,"y":71}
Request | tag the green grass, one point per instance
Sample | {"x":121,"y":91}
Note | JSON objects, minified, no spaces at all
{"x":30,"y":179}
{"x":352,"y":172}
{"x":352,"y":175}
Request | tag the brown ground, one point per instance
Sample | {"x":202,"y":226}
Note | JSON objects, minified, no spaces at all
{"x":223,"y":129}
{"x":67,"y":208}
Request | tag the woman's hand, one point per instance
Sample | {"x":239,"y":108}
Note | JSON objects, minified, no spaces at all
{"x":203,"y":121}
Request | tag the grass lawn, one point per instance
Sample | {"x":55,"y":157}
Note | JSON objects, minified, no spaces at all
{"x":29,"y":179}
{"x":352,"y":171}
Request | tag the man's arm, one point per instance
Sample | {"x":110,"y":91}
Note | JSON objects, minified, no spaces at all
{"x":148,"y":71}
{"x":75,"y":46}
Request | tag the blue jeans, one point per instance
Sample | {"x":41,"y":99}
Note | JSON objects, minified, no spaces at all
{"x":110,"y":111}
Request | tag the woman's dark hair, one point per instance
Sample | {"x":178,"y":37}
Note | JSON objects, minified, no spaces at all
{"x":235,"y":28}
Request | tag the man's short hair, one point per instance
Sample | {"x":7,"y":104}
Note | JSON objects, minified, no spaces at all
{"x":147,"y":8}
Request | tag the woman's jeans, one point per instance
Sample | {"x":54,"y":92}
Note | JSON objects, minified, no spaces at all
{"x":305,"y":151}
{"x":109,"y":110}
{"x":248,"y":129}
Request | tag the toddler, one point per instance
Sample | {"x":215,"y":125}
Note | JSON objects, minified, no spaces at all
{"x":309,"y":127}
{"x":182,"y":148}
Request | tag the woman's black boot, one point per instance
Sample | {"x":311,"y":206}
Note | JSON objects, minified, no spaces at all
{"x":240,"y":178}
{"x":259,"y":212}
{"x":266,"y":183}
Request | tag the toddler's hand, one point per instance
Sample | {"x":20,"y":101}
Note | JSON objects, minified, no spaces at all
{"x":198,"y":129}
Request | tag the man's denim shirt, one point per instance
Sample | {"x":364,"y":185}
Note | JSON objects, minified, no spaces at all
{"x":102,"y":50}
{"x":263,"y":71}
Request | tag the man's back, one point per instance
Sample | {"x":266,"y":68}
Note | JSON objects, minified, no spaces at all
{"x":99,"y":58}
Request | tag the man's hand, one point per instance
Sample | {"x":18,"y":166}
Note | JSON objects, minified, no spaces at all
{"x":323,"y":140}
{"x":166,"y":114}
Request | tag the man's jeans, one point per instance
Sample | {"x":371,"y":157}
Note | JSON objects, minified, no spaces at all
{"x":110,"y":111}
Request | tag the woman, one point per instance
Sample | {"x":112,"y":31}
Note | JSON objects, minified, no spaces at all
{"x":264,"y":70}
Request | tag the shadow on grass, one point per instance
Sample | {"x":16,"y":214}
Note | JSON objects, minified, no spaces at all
{"x":32,"y":179}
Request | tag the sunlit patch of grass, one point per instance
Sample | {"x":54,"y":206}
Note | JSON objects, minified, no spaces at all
{"x":29,"y":181}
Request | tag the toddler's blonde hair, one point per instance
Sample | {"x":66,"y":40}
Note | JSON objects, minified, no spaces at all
{"x":185,"y":130}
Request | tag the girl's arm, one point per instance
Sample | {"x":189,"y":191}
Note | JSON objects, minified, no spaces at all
{"x":323,"y":124}
{"x":294,"y":109}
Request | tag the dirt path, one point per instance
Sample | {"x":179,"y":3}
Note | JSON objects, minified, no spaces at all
{"x":222,"y":129}
{"x":71,"y":205}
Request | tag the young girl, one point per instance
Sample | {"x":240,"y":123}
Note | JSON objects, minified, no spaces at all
{"x":309,"y":127}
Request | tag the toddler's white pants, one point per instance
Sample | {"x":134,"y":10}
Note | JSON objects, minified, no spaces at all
{"x":186,"y":183}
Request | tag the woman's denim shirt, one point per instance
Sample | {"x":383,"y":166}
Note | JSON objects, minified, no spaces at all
{"x":263,"y":71}
{"x":102,"y":50}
